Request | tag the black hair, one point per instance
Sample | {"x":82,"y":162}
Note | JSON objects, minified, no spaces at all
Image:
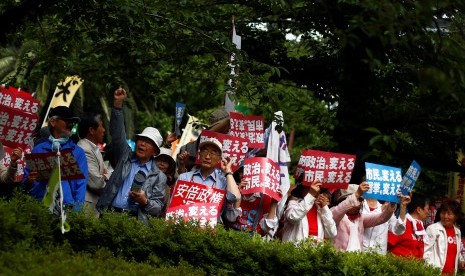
{"x":450,"y":205}
{"x":88,"y":120}
{"x":418,"y":200}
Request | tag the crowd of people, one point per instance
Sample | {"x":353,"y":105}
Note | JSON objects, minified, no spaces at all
{"x":140,"y":183}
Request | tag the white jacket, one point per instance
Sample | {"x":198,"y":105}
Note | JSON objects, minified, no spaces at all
{"x":296,"y":224}
{"x":375,"y":238}
{"x":436,"y":248}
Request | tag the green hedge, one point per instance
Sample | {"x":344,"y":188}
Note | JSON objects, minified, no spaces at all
{"x":119,"y":242}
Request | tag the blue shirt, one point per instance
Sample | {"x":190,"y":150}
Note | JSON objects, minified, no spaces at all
{"x":215,"y":180}
{"x":122,"y":197}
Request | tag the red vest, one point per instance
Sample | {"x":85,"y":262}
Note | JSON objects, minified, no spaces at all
{"x":407,"y":244}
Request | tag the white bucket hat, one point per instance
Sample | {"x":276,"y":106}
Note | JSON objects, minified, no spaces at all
{"x":212,"y":141}
{"x":153,"y":134}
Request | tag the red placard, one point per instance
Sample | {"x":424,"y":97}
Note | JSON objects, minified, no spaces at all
{"x":186,"y":192}
{"x":333,"y":169}
{"x":21,"y":162}
{"x":17,"y":128}
{"x":207,"y":202}
{"x":43,"y":163}
{"x":263,"y":176}
{"x":248,"y":127}
{"x":203,"y":212}
{"x":17,"y":99}
{"x":233,"y":147}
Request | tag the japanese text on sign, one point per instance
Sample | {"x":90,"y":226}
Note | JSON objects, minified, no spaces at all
{"x":204,"y":213}
{"x":19,"y":100}
{"x":233,"y":147}
{"x":17,"y":128}
{"x":384,"y":182}
{"x":250,"y":128}
{"x":262,"y":176}
{"x":43,"y":163}
{"x":333,"y":169}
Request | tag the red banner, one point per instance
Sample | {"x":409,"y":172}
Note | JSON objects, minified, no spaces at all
{"x":17,"y":128}
{"x":19,"y":100}
{"x":21,"y":162}
{"x":233,"y":147}
{"x":248,"y":127}
{"x":206,"y":201}
{"x":203,"y":212}
{"x":333,"y":169}
{"x":263,"y":176}
{"x":43,"y":163}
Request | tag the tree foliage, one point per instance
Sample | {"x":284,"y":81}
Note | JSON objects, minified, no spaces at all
{"x":381,"y":80}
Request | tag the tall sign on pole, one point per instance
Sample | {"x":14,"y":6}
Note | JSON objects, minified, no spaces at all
{"x":229,"y":100}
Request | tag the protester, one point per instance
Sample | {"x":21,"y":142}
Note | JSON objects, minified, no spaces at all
{"x":167,"y":165}
{"x":375,"y":238}
{"x":411,"y":242}
{"x":7,"y":175}
{"x":254,"y":213}
{"x":307,"y":215}
{"x":219,"y":122}
{"x":207,"y":174}
{"x":444,"y":240}
{"x":136,"y":186}
{"x":60,"y":123}
{"x":350,"y":222}
{"x":92,"y":132}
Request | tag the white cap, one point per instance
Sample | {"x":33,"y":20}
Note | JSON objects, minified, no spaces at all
{"x":212,"y":141}
{"x":153,"y":134}
{"x":167,"y":152}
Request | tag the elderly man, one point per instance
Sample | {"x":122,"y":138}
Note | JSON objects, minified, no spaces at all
{"x":92,"y":132}
{"x":209,"y":175}
{"x":60,"y":123}
{"x":136,"y":186}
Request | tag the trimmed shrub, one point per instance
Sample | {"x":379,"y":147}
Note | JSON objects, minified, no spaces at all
{"x":178,"y":246}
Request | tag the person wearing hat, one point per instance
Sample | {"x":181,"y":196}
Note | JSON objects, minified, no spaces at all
{"x":137,"y":186}
{"x":207,"y":174}
{"x":91,"y":132}
{"x":219,"y":122}
{"x":350,"y":222}
{"x":7,"y":175}
{"x":60,"y":123}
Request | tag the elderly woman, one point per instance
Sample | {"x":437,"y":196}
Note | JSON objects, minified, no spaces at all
{"x":442,"y":249}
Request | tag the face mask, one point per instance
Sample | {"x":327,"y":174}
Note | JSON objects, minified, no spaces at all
{"x":56,"y":142}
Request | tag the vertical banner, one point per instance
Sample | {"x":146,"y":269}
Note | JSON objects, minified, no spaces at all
{"x":384,"y":182}
{"x":248,"y":127}
{"x":277,"y":150}
{"x":410,"y":178}
{"x":64,"y":93}
{"x":334,"y":170}
{"x":262,"y":176}
{"x":229,"y":100}
{"x":179,"y":114}
{"x":189,"y":134}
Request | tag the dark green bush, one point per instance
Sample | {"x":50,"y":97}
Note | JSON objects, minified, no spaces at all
{"x":114,"y":238}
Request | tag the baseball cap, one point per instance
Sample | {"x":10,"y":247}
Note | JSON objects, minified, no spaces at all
{"x":64,"y":113}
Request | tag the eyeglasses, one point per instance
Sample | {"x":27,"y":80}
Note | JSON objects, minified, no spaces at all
{"x":209,"y":152}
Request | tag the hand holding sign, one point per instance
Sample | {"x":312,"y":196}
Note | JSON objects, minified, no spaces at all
{"x":362,"y":188}
{"x":16,"y":155}
{"x":315,"y":188}
{"x":226,"y":164}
